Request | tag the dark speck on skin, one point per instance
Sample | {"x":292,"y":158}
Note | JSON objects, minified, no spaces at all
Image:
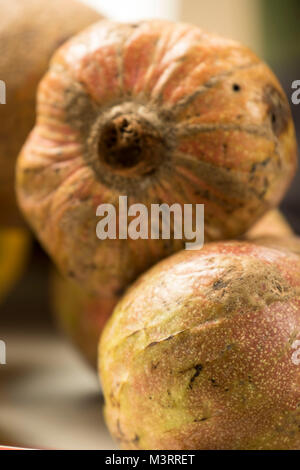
{"x":236,"y":87}
{"x":219,"y":284}
{"x":198,"y":368}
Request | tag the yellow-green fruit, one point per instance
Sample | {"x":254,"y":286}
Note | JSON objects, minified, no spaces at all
{"x":30,"y":31}
{"x":201,"y":352}
{"x":14,"y":251}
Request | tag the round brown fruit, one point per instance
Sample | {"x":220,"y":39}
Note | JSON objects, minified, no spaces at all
{"x":160,"y":112}
{"x":201,"y":352}
{"x":30,"y":31}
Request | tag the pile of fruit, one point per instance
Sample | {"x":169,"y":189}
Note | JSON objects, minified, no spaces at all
{"x":199,"y":348}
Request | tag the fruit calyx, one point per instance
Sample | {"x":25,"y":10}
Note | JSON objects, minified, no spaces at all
{"x":129,"y":140}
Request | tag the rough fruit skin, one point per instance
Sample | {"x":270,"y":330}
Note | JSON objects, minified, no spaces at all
{"x":30,"y":31}
{"x":198,"y":353}
{"x":159,"y":112}
{"x":80,"y":316}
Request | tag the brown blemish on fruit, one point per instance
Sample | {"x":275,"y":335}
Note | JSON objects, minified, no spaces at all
{"x":198,"y":368}
{"x":278,"y":109}
{"x":219,"y":284}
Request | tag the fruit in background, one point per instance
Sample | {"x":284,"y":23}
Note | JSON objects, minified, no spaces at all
{"x":287,"y":243}
{"x":273,"y":230}
{"x":79,"y":315}
{"x":273,"y":223}
{"x":30,"y":31}
{"x":159,"y":112}
{"x":14,"y":253}
{"x":199,"y":352}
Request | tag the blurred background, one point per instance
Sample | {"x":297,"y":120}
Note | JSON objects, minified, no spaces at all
{"x":49,"y":397}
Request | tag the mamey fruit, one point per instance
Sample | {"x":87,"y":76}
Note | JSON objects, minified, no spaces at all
{"x":158,"y":112}
{"x":81,"y":316}
{"x":200,"y":353}
{"x":273,"y":223}
{"x":30,"y":31}
{"x":14,"y":251}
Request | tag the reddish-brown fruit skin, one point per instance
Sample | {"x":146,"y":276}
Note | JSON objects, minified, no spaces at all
{"x":30,"y":31}
{"x":203,"y":121}
{"x":198,"y":354}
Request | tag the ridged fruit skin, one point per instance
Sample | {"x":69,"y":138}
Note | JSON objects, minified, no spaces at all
{"x":80,"y":316}
{"x":159,"y":112}
{"x":198,"y":354}
{"x":30,"y":31}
